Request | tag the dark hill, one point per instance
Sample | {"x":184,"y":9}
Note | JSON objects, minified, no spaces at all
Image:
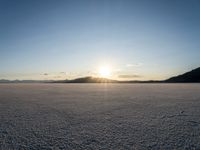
{"x":188,"y":77}
{"x":91,"y":80}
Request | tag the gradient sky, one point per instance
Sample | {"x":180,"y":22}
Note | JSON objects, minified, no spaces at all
{"x":58,"y":39}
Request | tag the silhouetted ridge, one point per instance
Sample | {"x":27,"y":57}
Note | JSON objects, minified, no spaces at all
{"x":91,"y":80}
{"x":192,"y":76}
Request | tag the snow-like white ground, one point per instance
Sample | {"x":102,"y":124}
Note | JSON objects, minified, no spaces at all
{"x":99,"y":116}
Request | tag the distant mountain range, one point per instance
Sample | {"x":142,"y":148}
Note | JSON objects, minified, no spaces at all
{"x":100,"y":80}
{"x":25,"y":81}
{"x":188,"y":77}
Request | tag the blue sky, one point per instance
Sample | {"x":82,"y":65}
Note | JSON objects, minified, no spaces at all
{"x":58,"y":39}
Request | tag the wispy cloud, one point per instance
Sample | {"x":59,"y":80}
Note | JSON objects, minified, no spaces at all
{"x":63,"y":73}
{"x":129,"y":76}
{"x":134,"y":65}
{"x":56,"y":77}
{"x":45,"y":74}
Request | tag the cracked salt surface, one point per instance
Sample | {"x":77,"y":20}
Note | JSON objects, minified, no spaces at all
{"x":99,"y":116}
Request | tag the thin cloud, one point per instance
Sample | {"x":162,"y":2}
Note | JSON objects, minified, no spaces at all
{"x":56,"y":77}
{"x":45,"y":74}
{"x":134,"y":65}
{"x":63,"y":73}
{"x":129,"y":76}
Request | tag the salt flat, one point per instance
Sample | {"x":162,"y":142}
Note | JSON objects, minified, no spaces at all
{"x":99,"y":116}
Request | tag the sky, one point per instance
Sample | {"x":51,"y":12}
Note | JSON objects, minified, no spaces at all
{"x":65,"y":39}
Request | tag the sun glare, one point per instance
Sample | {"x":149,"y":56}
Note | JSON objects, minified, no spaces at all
{"x":104,"y":72}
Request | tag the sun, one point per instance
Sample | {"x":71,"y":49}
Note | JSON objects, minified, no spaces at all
{"x":104,"y":72}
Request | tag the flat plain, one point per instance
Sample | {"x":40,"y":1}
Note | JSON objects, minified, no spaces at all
{"x":99,"y":116}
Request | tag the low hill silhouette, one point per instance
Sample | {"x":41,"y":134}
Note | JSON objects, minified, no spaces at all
{"x":90,"y":80}
{"x":188,"y":77}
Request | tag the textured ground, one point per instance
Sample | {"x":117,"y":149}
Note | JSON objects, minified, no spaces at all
{"x":100,"y":116}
